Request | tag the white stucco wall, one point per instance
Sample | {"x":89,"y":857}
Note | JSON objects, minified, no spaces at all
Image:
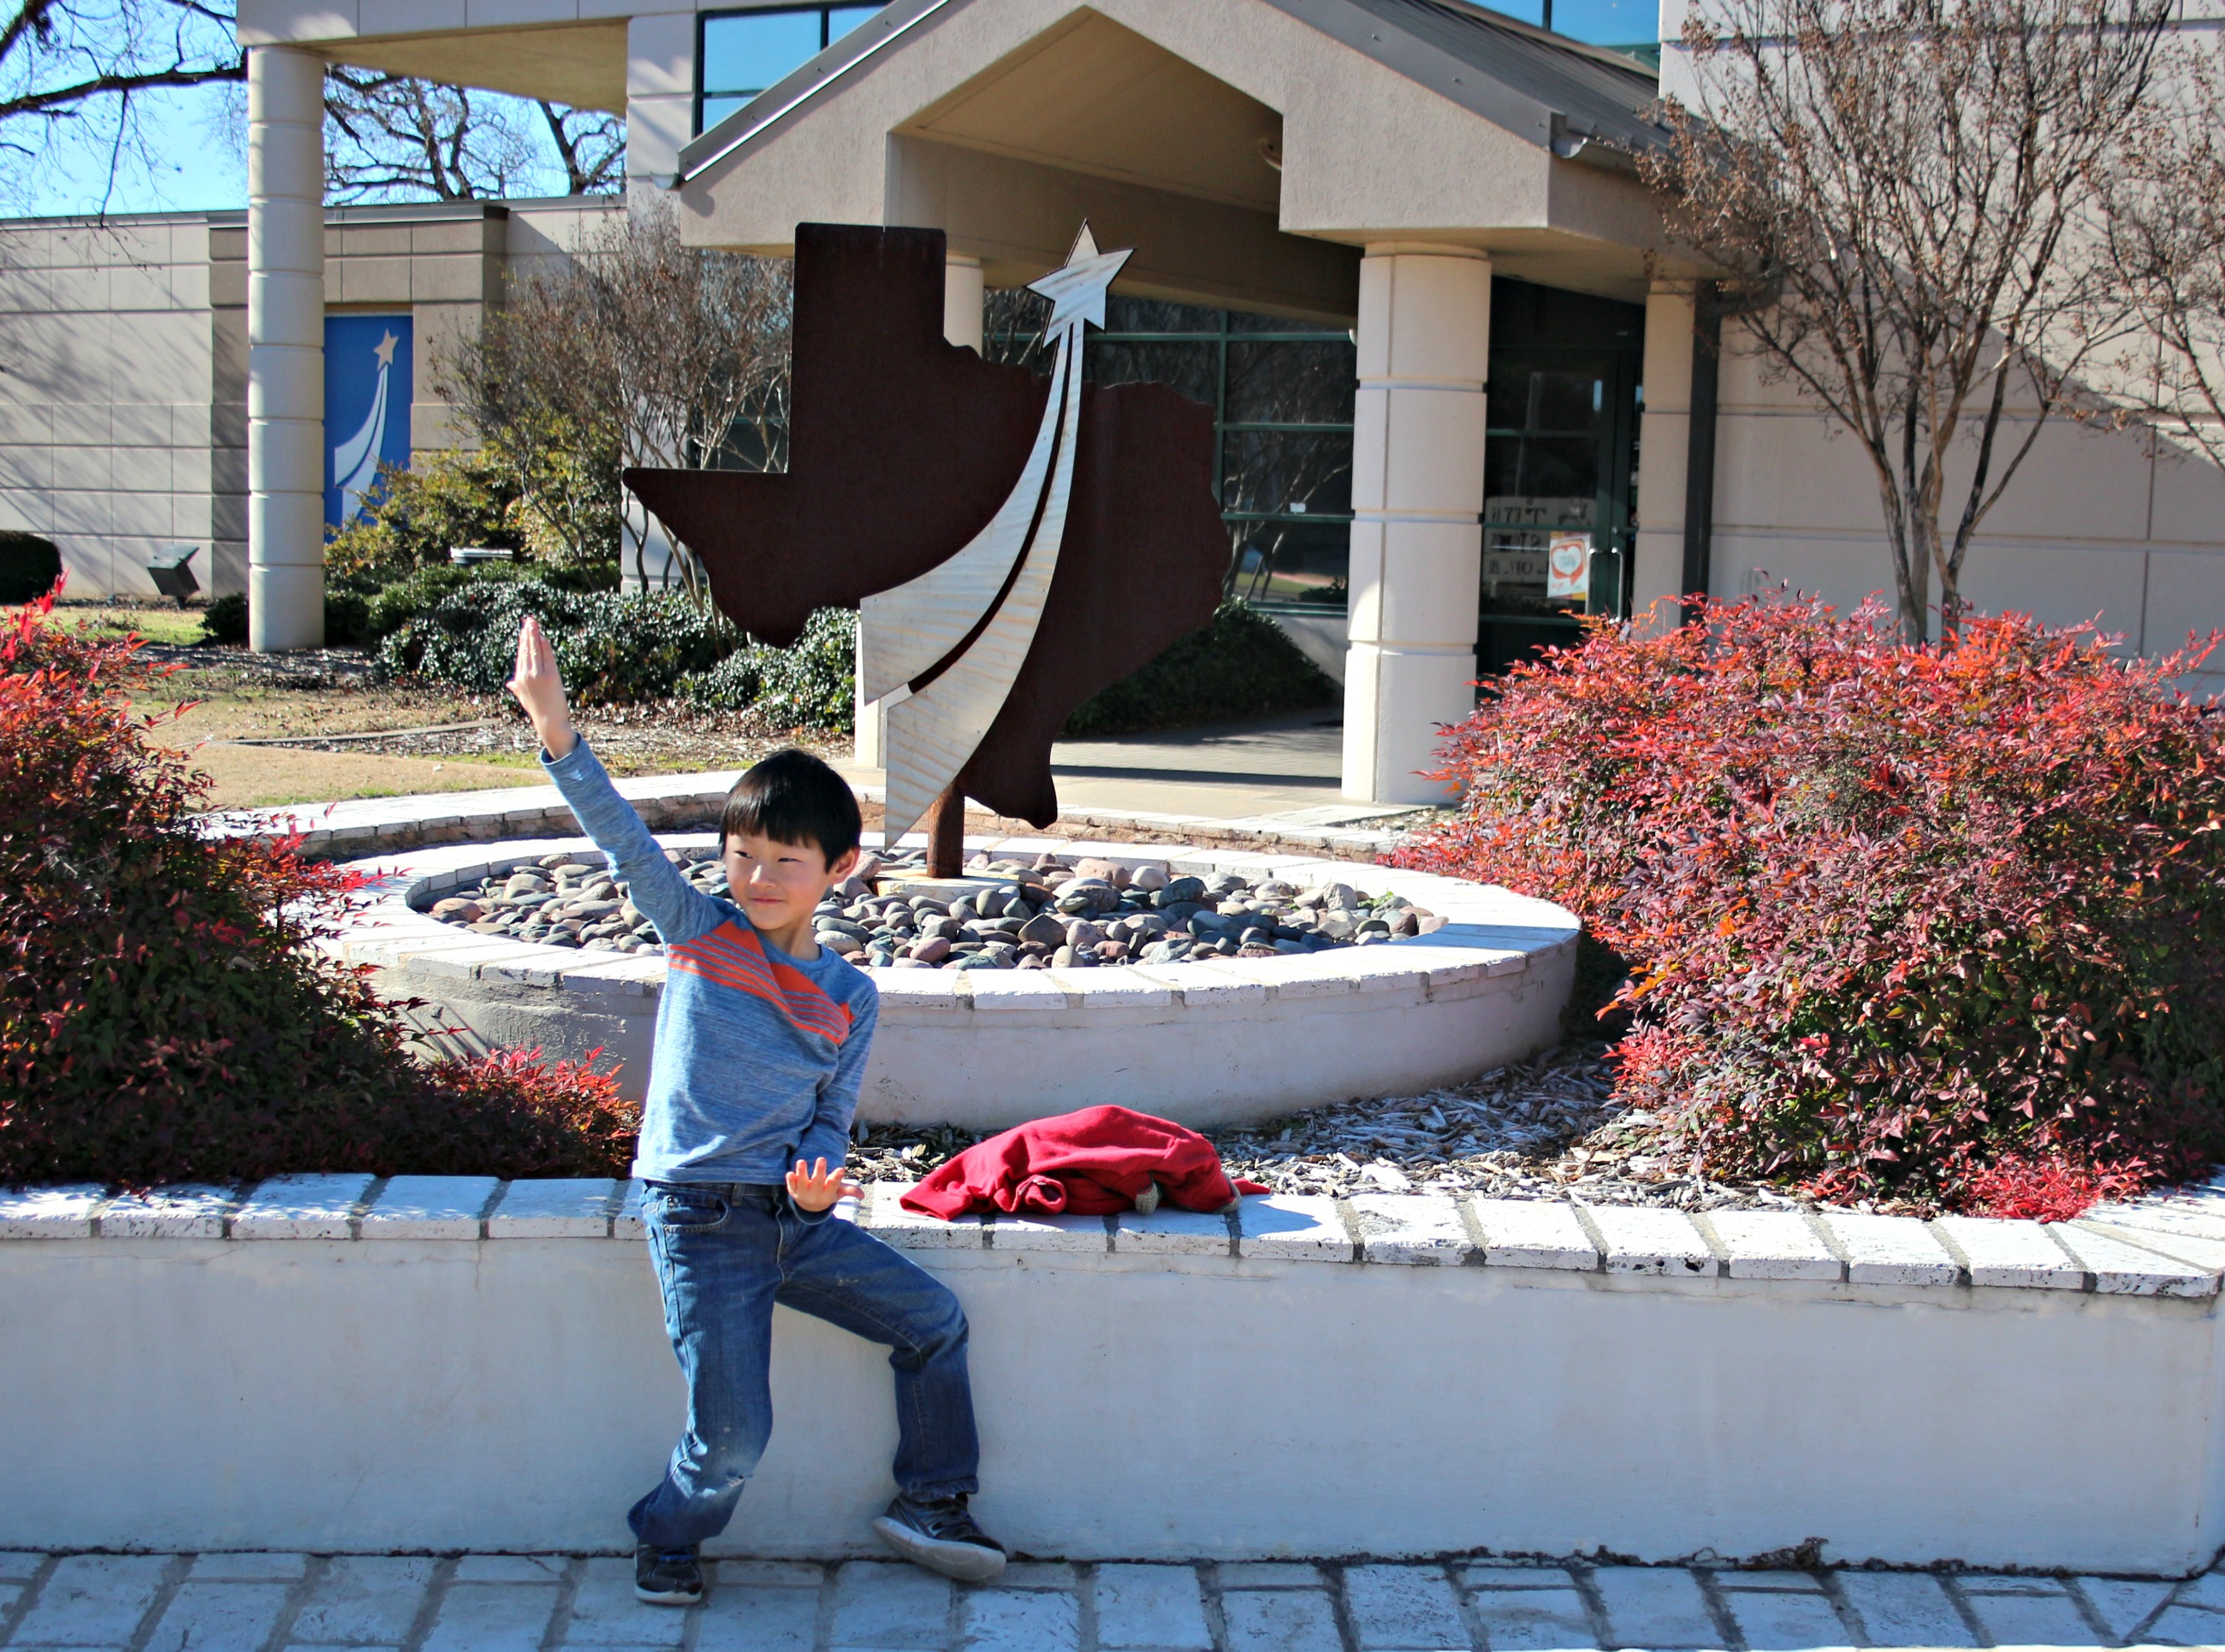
{"x":105,"y":396}
{"x":1393,"y":1378}
{"x":2096,"y":524}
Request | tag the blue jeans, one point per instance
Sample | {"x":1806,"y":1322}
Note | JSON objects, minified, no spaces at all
{"x":724,"y":1256}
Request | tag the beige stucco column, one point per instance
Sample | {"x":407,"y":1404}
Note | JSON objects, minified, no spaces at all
{"x":1424,"y":339}
{"x":1665,"y":436}
{"x":285,"y":348}
{"x":963,"y":297}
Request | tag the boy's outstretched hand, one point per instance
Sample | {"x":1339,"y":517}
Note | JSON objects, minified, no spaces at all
{"x":816,"y":1188}
{"x":538,"y":687}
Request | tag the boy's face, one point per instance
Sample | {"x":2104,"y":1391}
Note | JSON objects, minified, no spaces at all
{"x":778,"y":884}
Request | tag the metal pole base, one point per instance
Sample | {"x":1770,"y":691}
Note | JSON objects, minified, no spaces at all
{"x":945,"y":835}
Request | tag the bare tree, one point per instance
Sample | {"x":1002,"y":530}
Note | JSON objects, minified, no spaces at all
{"x":393,"y":137}
{"x":2167,"y":242}
{"x":71,"y":69}
{"x":656,"y":354}
{"x":1905,"y":194}
{"x":590,"y":146}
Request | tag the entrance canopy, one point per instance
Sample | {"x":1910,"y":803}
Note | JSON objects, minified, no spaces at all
{"x":1248,"y":149}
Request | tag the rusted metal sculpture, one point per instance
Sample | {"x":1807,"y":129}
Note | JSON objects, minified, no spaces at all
{"x":1015,"y":547}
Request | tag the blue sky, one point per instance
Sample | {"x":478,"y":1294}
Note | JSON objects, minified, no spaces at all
{"x":197,"y":164}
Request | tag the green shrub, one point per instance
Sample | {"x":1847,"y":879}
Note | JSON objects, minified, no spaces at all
{"x":454,"y":496}
{"x":395,"y":604}
{"x":28,"y":566}
{"x":1239,"y":665}
{"x":554,"y":504}
{"x":614,"y":649}
{"x":225,"y":619}
{"x":347,"y":618}
{"x":812,"y":685}
{"x":164,"y":1014}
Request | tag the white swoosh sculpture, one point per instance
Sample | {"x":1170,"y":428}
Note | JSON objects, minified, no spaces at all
{"x":935,"y":725}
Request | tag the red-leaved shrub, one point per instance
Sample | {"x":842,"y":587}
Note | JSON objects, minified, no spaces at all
{"x":1940,"y":924}
{"x":164,"y":1015}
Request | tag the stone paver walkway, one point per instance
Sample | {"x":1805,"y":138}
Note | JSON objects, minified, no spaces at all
{"x":502,"y":1603}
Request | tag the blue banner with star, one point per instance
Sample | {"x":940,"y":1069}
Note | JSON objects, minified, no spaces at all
{"x":367,"y":395}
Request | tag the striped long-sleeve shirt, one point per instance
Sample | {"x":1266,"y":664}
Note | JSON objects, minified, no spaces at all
{"x":758,"y":1056}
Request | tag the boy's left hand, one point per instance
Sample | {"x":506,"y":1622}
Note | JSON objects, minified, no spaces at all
{"x":815,"y":1188}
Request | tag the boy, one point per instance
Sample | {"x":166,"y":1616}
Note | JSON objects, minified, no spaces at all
{"x":761,"y":1043}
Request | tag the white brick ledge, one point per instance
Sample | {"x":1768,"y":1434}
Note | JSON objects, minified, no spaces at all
{"x":2130,"y":1249}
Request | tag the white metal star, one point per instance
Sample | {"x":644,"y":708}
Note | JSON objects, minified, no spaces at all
{"x":1077,"y":289}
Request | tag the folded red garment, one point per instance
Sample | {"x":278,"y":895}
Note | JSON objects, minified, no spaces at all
{"x":1090,"y":1163}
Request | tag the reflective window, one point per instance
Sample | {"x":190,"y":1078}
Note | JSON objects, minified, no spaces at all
{"x":742,"y":53}
{"x":1281,"y":392}
{"x":1631,"y":27}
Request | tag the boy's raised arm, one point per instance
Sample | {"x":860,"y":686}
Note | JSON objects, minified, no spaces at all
{"x":677,"y":908}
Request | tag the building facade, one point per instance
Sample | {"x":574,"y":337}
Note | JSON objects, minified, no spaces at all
{"x":1393,"y":243}
{"x":125,"y":395}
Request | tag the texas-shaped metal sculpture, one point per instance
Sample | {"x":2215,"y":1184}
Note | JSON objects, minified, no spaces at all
{"x":1013,"y":546}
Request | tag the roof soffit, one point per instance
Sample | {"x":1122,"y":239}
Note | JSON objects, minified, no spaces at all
{"x":1093,"y":96}
{"x":583,"y":65}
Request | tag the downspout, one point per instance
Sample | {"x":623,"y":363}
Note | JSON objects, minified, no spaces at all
{"x":1700,"y":446}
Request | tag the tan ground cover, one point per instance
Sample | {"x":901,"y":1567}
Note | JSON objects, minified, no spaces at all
{"x":238,"y":702}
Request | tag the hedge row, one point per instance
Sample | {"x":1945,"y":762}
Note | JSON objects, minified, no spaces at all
{"x":161,"y":1015}
{"x":1942,"y":924}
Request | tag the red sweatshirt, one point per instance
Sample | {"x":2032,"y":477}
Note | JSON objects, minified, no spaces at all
{"x":1090,"y":1163}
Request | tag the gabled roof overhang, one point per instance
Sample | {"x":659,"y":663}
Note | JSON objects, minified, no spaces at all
{"x":1321,"y":127}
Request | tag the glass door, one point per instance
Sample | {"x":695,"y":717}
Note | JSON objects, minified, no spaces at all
{"x":1559,"y":467}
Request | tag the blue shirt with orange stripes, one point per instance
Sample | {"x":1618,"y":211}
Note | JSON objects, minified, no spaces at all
{"x":758,"y":1056}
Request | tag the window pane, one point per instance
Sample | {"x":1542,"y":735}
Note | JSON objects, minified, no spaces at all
{"x":1187,"y":368}
{"x":1291,"y":384}
{"x":1569,"y":401}
{"x":1248,"y":322}
{"x":1299,"y":562}
{"x":841,"y":19}
{"x":1609,"y":22}
{"x":1287,"y":471}
{"x":1157,"y":315}
{"x":744,"y":55}
{"x":717,"y":109}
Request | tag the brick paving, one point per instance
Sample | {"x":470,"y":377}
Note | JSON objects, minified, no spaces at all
{"x":496,"y":1603}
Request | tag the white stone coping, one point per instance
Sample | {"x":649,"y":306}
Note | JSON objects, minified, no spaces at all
{"x":371,"y":825}
{"x":1490,"y":936}
{"x":2145,"y":1248}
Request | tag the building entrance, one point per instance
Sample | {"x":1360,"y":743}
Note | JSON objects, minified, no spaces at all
{"x":1560,"y":466}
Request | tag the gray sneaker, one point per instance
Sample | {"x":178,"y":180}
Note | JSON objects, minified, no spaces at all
{"x":667,"y":1577}
{"x":942,"y":1537}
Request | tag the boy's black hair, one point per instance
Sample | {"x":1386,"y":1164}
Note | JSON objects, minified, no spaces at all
{"x":793,"y":797}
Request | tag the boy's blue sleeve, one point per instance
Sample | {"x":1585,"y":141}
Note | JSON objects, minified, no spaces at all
{"x":828,"y":1136}
{"x":678,"y":909}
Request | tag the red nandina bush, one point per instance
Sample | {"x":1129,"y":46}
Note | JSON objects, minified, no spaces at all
{"x":164,"y":1015}
{"x":1942,"y":924}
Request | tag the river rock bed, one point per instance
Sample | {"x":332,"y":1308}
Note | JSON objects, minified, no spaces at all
{"x":1046,"y":913}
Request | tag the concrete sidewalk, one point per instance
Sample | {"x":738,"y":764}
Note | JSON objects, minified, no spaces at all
{"x":483,"y":1602}
{"x":1286,"y":767}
